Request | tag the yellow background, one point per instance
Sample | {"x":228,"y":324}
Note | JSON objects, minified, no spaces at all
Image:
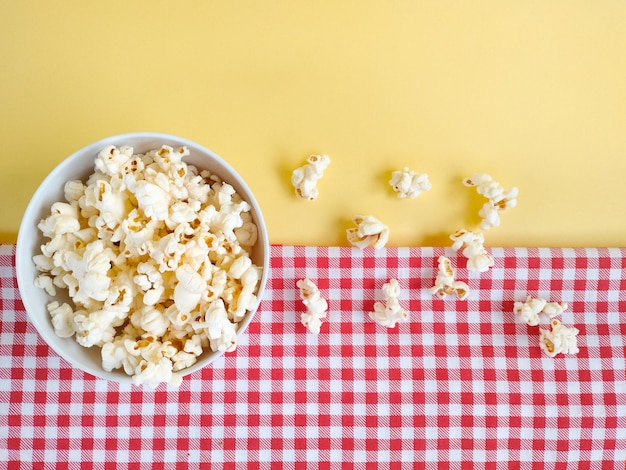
{"x":532,"y":92}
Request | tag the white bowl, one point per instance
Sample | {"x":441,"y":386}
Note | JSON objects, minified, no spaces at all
{"x":79,"y":166}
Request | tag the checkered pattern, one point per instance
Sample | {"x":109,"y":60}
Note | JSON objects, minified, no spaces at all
{"x":462,"y":384}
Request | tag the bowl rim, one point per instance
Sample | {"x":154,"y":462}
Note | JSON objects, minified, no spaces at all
{"x":23,"y":255}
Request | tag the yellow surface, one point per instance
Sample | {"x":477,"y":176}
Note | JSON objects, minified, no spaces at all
{"x":532,"y":92}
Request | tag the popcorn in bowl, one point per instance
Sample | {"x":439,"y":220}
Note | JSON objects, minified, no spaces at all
{"x":156,"y":263}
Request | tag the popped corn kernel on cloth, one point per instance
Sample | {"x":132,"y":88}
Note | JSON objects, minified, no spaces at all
{"x":461,"y":384}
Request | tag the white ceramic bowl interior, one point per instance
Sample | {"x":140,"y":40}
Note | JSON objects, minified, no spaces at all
{"x":79,"y":166}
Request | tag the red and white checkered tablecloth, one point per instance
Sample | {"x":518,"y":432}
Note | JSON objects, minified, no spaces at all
{"x":462,"y":384}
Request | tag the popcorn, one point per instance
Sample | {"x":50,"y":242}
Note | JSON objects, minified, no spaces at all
{"x":152,"y":200}
{"x":220,"y":331}
{"x":478,"y":259}
{"x":445,"y":284}
{"x":315,"y":304}
{"x":409,"y":184}
{"x":389,"y":313}
{"x":559,"y":339}
{"x":94,"y":328}
{"x":91,"y":271}
{"x":304,"y":179}
{"x":63,"y":220}
{"x":45,"y":282}
{"x":188,"y":290}
{"x":151,"y":319}
{"x":554,"y":309}
{"x":246,"y":234}
{"x":499,"y":199}
{"x":111,"y":160}
{"x":62,"y":316}
{"x":115,"y":356}
{"x":150,"y":281}
{"x":188,"y":356}
{"x":246,"y":298}
{"x":73,"y":190}
{"x":530,"y":309}
{"x":369,"y":231}
{"x":155,"y":257}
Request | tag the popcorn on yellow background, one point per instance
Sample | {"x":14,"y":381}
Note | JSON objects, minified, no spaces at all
{"x":304,"y":179}
{"x":408,"y":183}
{"x":499,"y":199}
{"x":369,"y":231}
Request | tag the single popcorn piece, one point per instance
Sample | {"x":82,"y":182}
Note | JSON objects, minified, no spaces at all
{"x":156,"y":371}
{"x":409,"y":184}
{"x":478,"y":259}
{"x":530,"y":309}
{"x":304,"y":179}
{"x":62,"y":317}
{"x":155,"y":257}
{"x":189,"y":289}
{"x":490,"y":216}
{"x":390,"y":312}
{"x":558,"y":339}
{"x":499,"y":199}
{"x":445,"y":284}
{"x":554,"y":309}
{"x":316,"y":305}
{"x":369,"y":231}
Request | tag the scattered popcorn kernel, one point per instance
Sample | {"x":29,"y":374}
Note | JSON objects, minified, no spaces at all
{"x":390,"y":312}
{"x":155,"y":257}
{"x":499,"y":199}
{"x":554,"y":309}
{"x":369,"y":231}
{"x":316,"y":305}
{"x":490,"y":216}
{"x":445,"y":284}
{"x":409,"y":184}
{"x":530,"y":309}
{"x":483,"y":182}
{"x":304,"y":179}
{"x":478,"y":259}
{"x":558,"y":339}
